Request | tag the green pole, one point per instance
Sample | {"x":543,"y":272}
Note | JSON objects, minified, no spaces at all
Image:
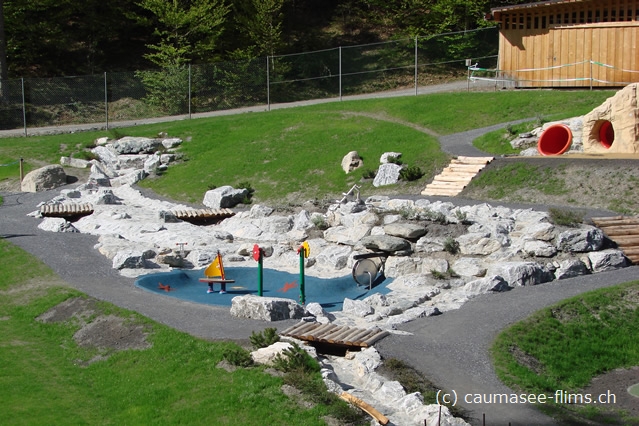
{"x":260,"y":274}
{"x":302,"y":255}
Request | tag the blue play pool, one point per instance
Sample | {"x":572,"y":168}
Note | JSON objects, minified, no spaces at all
{"x":328,"y":292}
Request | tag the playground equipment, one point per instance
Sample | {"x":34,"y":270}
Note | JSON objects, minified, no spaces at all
{"x":214,"y":273}
{"x":367,"y":268}
{"x":304,"y":251}
{"x":555,"y":140}
{"x":258,"y":255}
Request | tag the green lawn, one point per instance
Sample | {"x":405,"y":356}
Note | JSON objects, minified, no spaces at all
{"x":46,"y":379}
{"x":566,"y":345}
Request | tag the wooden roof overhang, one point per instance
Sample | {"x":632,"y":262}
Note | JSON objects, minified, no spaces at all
{"x":495,"y":13}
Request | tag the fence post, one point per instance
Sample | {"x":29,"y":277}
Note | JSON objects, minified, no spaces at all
{"x":268,"y":86}
{"x":106,"y":101}
{"x":340,"y":73}
{"x":189,"y":91}
{"x":21,"y":169}
{"x":416,"y":83}
{"x":24,"y":110}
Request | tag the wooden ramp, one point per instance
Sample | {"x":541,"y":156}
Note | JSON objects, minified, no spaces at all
{"x":345,"y":337}
{"x":454,"y":178}
{"x":624,"y":231}
{"x":67,"y":211}
{"x":203,"y":216}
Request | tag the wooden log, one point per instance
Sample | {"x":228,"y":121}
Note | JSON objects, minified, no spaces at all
{"x":381,"y":419}
{"x":336,"y":336}
{"x":613,"y":231}
{"x":631,"y":251}
{"x":324,"y":331}
{"x":299,"y":329}
{"x":630,"y":240}
{"x":615,"y":222}
{"x":370,"y":340}
{"x":355,"y":335}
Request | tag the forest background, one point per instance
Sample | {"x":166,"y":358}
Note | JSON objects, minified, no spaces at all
{"x":46,"y":38}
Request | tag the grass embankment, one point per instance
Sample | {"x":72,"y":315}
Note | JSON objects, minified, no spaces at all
{"x":295,"y":154}
{"x":47,"y":379}
{"x":565,"y":346}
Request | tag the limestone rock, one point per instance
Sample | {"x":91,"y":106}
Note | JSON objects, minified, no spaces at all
{"x":408,"y":231}
{"x":385,"y":243}
{"x":266,"y":308}
{"x":77,"y":163}
{"x":357,"y":307}
{"x":136,"y":145}
{"x":587,"y":238}
{"x":571,"y":268}
{"x":44,"y":179}
{"x":520,"y":273}
{"x":607,"y":260}
{"x":469,"y":267}
{"x":494,"y":283}
{"x":129,"y":260}
{"x":539,"y":248}
{"x":387,"y":174}
{"x":267,"y":355}
{"x":56,"y":224}
{"x":224,"y":197}
{"x":351,"y":161}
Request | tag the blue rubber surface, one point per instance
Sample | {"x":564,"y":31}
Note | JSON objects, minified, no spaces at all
{"x":330,"y":293}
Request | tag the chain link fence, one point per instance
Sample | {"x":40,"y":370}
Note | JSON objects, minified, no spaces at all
{"x":183,"y":91}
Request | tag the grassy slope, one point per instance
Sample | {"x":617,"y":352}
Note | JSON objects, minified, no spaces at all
{"x":46,"y":380}
{"x":296,"y":153}
{"x":566,"y":345}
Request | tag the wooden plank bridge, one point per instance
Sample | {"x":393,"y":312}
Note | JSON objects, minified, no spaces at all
{"x":335,"y":335}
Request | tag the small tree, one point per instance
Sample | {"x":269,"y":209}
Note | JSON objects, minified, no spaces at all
{"x":188,"y":30}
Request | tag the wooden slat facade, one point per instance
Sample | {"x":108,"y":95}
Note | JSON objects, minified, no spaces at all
{"x":552,"y":43}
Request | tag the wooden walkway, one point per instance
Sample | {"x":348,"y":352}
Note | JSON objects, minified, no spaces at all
{"x":624,"y":231}
{"x":335,"y":335}
{"x":454,"y":178}
{"x":66,"y":210}
{"x":203,"y":216}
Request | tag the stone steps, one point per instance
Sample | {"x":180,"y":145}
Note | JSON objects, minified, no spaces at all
{"x":454,"y":178}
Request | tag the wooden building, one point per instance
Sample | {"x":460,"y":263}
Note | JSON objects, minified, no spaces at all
{"x":569,"y":43}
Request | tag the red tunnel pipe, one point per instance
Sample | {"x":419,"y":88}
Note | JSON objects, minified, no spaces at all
{"x":606,"y":134}
{"x":555,"y":140}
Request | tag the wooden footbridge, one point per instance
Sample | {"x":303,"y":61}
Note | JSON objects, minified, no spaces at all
{"x":454,"y":178}
{"x":203,"y":216}
{"x":623,"y":231}
{"x":335,"y":335}
{"x":66,"y":211}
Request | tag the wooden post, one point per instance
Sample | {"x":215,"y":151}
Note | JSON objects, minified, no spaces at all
{"x":21,"y":170}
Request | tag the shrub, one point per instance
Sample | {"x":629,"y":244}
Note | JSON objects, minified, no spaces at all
{"x":564,"y":217}
{"x":395,"y":160}
{"x":451,"y":245}
{"x":295,"y":358}
{"x":238,"y":356}
{"x":411,"y":173}
{"x":319,"y":222}
{"x":369,"y":174}
{"x":265,"y":338}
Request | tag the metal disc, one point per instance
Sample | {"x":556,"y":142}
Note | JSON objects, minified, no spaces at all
{"x":365,"y":271}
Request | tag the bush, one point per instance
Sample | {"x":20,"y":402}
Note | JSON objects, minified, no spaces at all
{"x":563,"y":217}
{"x":411,"y":173}
{"x":238,"y":356}
{"x":295,"y":358}
{"x":265,"y":338}
{"x":369,"y":174}
{"x":319,"y":222}
{"x":451,"y":245}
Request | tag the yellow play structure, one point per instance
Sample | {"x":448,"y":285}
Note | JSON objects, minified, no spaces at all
{"x":214,"y":273}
